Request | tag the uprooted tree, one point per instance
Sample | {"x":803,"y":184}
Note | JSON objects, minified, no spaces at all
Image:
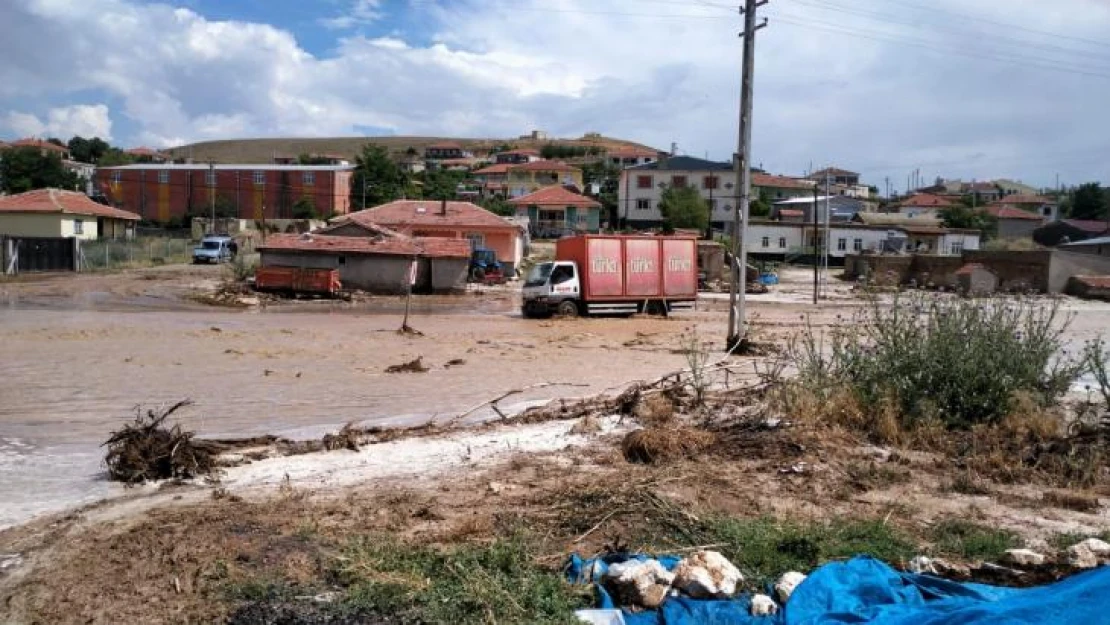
{"x":146,"y":449}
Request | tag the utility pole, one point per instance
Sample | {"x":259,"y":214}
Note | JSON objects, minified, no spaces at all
{"x":736,"y":296}
{"x":815,"y":280}
{"x":212,"y":194}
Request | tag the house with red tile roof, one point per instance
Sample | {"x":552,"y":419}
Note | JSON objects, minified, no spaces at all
{"x":920,"y":204}
{"x":147,"y":155}
{"x":378,"y":263}
{"x":516,"y":157}
{"x":554,"y":211}
{"x":57,"y":213}
{"x":444,"y":150}
{"x":630,"y":156}
{"x":44,"y":147}
{"x":462,"y":221}
{"x":1046,"y":207}
{"x":530,"y":177}
{"x":1014,"y":223}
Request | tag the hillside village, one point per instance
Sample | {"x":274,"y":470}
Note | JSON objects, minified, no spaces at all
{"x":563,"y":187}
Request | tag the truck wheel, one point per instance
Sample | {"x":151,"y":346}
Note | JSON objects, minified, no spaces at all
{"x":478,"y":275}
{"x":656,"y":307}
{"x":567,"y":308}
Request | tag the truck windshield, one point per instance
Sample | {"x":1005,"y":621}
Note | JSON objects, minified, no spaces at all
{"x":539,"y":275}
{"x":210,"y":245}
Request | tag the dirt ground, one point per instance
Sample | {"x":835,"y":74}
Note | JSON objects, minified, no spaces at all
{"x":80,"y":352}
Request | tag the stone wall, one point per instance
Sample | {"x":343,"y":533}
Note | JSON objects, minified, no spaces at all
{"x":1016,"y":271}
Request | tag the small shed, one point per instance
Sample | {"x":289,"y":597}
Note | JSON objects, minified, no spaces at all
{"x":379,"y":264}
{"x":973,"y":280}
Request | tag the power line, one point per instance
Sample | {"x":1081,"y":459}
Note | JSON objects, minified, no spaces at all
{"x":928,"y":45}
{"x":980,"y":36}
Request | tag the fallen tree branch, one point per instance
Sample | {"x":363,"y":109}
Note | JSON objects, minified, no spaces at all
{"x":516,"y":391}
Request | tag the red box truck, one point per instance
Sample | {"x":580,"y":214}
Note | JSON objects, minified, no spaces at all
{"x":614,"y":275}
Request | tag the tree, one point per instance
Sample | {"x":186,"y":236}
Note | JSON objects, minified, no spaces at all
{"x":1089,"y":201}
{"x":498,"y":206}
{"x":441,"y":184}
{"x":684,"y":207}
{"x":377,"y":177}
{"x":25,"y":169}
{"x":87,"y":150}
{"x":761,"y":207}
{"x":965,"y":217}
{"x":304,"y":208}
{"x":608,"y":178}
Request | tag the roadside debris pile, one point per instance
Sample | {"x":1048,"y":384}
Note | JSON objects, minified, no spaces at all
{"x":146,"y":449}
{"x":413,"y":366}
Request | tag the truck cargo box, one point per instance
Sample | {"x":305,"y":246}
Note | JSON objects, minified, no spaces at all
{"x":297,"y":280}
{"x":633,"y":268}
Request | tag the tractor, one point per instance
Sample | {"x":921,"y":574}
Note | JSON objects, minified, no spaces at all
{"x":485,"y":268}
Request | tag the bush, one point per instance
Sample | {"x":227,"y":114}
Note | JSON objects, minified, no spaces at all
{"x":956,"y":361}
{"x":240,"y":269}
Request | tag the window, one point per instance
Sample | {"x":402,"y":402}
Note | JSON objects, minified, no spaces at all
{"x":678,"y":181}
{"x":957,"y":248}
{"x":163,"y":176}
{"x":1047,"y":211}
{"x":766,"y":241}
{"x":551,"y":216}
{"x":561,"y":274}
{"x":117,"y":176}
{"x":78,"y":226}
{"x":210,"y":177}
{"x":841,"y":245}
{"x":477,"y":240}
{"x":643,"y":204}
{"x":710,"y":182}
{"x":857,"y":245}
{"x":308,"y":177}
{"x":643,"y":182}
{"x":259,"y":177}
{"x":782,"y":243}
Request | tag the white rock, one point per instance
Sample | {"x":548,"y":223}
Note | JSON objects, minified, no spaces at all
{"x":1095,"y":546}
{"x":786,"y":585}
{"x":1085,"y":554}
{"x":762,"y":605}
{"x":10,"y":561}
{"x":642,"y":583}
{"x":1024,"y":557}
{"x":921,"y":565}
{"x":706,"y":575}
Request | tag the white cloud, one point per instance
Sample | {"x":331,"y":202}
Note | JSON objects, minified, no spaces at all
{"x":875,"y":86}
{"x":360,"y":12}
{"x":86,"y":120}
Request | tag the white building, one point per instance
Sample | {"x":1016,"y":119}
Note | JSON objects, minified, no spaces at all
{"x":781,"y":240}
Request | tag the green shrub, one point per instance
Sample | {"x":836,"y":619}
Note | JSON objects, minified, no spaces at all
{"x":957,"y":360}
{"x":240,"y":269}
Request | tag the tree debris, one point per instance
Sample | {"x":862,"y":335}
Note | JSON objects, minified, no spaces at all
{"x":412,"y":366}
{"x":146,"y":449}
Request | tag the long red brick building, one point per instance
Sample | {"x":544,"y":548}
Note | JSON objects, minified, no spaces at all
{"x":165,"y":192}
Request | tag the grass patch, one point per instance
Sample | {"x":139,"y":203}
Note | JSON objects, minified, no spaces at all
{"x":495,"y":583}
{"x":765,"y":548}
{"x":972,"y":541}
{"x":1067,"y":539}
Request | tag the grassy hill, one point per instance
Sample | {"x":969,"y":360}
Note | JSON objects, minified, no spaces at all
{"x":263,"y":150}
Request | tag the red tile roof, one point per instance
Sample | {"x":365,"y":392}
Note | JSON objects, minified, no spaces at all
{"x":1025,"y":199}
{"x":59,"y":201}
{"x":444,"y":145}
{"x":555,"y":195}
{"x":1009,"y":212}
{"x":144,"y":151}
{"x":415,"y":213}
{"x":969,"y":268}
{"x":925,"y":200}
{"x":1094,"y":282}
{"x":502,"y":168}
{"x":779,"y":182}
{"x":543,"y":166}
{"x":629,"y":151}
{"x":1094,"y":226}
{"x":40,"y":144}
{"x":434,"y":247}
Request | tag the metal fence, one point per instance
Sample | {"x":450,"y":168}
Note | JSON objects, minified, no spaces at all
{"x":144,"y":251}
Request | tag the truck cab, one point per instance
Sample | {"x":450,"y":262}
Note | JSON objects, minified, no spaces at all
{"x":552,"y":288}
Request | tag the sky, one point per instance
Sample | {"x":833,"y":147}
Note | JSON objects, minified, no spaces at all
{"x":973,"y":90}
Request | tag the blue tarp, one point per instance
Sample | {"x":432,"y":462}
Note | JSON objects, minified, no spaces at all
{"x":864,"y":590}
